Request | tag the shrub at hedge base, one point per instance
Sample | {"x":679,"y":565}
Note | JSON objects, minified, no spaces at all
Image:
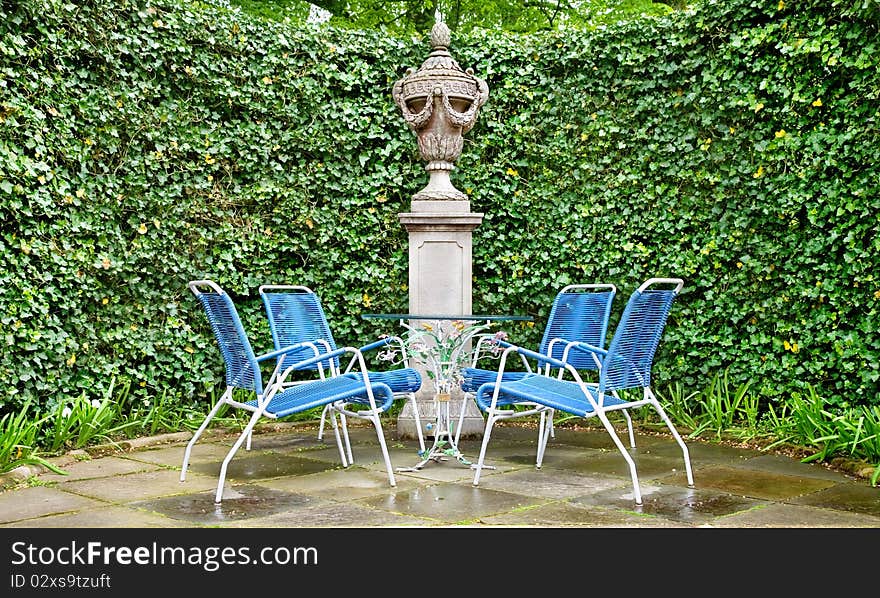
{"x":145,"y":144}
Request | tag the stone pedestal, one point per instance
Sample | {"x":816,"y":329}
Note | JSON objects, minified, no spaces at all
{"x":440,"y":249}
{"x":440,"y":102}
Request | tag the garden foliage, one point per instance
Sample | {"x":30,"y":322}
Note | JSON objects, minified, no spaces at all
{"x":147,"y":143}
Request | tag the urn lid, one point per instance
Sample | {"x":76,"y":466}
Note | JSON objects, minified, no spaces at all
{"x":440,"y":70}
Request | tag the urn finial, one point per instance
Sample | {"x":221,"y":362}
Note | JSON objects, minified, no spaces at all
{"x":440,"y":35}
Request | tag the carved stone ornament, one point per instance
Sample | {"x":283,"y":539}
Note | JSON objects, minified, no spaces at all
{"x":440,"y":103}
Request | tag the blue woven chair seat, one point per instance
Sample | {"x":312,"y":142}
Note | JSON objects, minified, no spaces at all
{"x":562,"y":395}
{"x":303,"y":397}
{"x":399,"y":381}
{"x":474,"y":378}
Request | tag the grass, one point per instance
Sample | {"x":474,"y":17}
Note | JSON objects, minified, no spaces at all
{"x":803,"y":420}
{"x":18,"y":441}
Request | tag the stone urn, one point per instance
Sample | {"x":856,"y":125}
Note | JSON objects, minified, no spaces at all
{"x":440,"y":103}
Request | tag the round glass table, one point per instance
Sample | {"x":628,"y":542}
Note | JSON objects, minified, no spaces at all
{"x":442,"y":344}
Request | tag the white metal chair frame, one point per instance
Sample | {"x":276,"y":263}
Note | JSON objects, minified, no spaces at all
{"x":275,"y":384}
{"x":593,"y":401}
{"x":334,"y":369}
{"x":545,"y":426}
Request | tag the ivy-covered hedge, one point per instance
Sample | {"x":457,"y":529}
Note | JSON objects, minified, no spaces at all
{"x":147,"y":143}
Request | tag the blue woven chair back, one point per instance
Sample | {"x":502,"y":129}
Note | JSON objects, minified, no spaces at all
{"x":296,"y":316}
{"x":631,"y":352}
{"x":242,"y":369}
{"x":578,"y":316}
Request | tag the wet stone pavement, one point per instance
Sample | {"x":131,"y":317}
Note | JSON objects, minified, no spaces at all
{"x":289,"y":478}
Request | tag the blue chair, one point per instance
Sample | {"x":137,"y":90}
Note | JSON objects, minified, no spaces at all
{"x":579,"y":314}
{"x":296,"y":317}
{"x":273,"y":398}
{"x":626,"y":364}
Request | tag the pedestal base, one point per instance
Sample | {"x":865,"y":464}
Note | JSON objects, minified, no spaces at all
{"x":472,"y":426}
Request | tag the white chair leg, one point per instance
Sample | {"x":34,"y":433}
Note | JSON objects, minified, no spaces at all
{"x":378,"y":425}
{"x":543,"y":438}
{"x":637,"y":491}
{"x":418,"y":421}
{"x":490,"y":421}
{"x":241,"y":438}
{"x":684,"y":449}
{"x":197,"y":434}
{"x":629,"y":428}
{"x":344,"y":424}
{"x":335,"y":426}
{"x":323,"y":419}
{"x":542,"y":429}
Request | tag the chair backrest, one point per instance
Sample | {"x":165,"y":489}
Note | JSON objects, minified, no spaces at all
{"x":632,"y":348}
{"x":580,"y":313}
{"x":242,"y":369}
{"x":295,"y":316}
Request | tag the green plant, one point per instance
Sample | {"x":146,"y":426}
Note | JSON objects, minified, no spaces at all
{"x":164,"y":414}
{"x":724,"y":408}
{"x":681,"y":407}
{"x":18,"y":441}
{"x":81,"y":422}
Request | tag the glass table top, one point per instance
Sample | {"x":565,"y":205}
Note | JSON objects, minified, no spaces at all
{"x":487,"y":317}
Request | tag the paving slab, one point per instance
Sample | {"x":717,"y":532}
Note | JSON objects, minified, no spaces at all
{"x":450,"y":503}
{"x":848,"y":496}
{"x":261,"y":465}
{"x":600,"y":439}
{"x":98,"y":468}
{"x":112,"y":516}
{"x":559,"y":485}
{"x":341,"y":485}
{"x":172,"y":456}
{"x":612,"y":463}
{"x":565,"y":514}
{"x":244,"y":501}
{"x":794,"y":516}
{"x":755,"y":483}
{"x":335,"y":515}
{"x":686,"y":505}
{"x":137,"y":486}
{"x":39,"y":501}
{"x":789,"y":466}
{"x":702,"y":452}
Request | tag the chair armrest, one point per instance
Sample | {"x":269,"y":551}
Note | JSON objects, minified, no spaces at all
{"x":286,"y":350}
{"x":318,"y":358}
{"x":277,"y":381}
{"x":588,"y":348}
{"x":598,"y":354}
{"x":376,"y":344}
{"x":540,"y":357}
